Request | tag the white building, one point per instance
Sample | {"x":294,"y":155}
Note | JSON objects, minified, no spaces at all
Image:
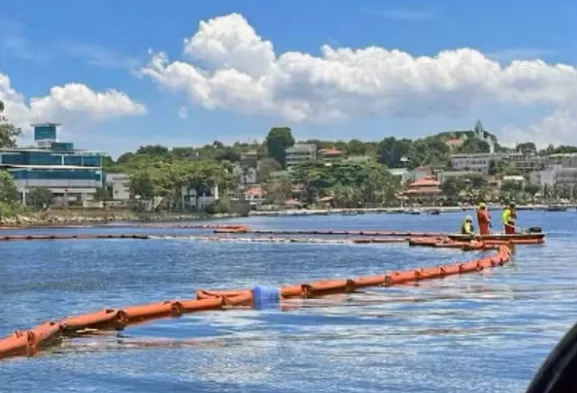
{"x":526,"y":162}
{"x":555,"y":175}
{"x":119,"y":183}
{"x":479,"y":163}
{"x":568,"y":160}
{"x":300,"y":153}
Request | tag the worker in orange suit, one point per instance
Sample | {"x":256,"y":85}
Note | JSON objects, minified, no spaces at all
{"x":510,"y":218}
{"x":484,"y":219}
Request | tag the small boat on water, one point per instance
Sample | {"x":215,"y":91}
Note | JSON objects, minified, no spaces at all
{"x":434,"y":212}
{"x":413,"y":212}
{"x":536,"y":237}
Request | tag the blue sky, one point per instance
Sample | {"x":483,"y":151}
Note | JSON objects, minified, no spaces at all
{"x":99,"y":44}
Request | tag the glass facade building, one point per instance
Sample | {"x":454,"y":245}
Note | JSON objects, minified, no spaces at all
{"x":55,"y":165}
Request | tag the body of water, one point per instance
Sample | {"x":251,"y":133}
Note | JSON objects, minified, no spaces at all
{"x":486,"y":332}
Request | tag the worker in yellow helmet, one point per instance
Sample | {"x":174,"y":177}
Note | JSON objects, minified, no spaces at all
{"x":510,"y":218}
{"x":467,"y":227}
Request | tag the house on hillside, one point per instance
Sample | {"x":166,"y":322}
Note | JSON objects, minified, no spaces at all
{"x":330,"y":155}
{"x":426,"y":191}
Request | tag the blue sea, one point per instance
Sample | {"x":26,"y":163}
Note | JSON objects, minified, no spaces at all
{"x":486,"y":332}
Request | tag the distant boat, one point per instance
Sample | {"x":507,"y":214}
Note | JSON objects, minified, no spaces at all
{"x":556,"y":208}
{"x":434,"y":212}
{"x":413,"y":212}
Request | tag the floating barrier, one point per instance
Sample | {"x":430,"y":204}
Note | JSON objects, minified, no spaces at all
{"x":329,"y":232}
{"x":29,"y":343}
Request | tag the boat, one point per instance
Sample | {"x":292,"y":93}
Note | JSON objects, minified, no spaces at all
{"x":556,"y":208}
{"x":413,"y":212}
{"x":536,"y":237}
{"x":434,"y":212}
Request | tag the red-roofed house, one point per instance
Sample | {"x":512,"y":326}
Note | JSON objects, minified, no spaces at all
{"x":331,"y":155}
{"x":454,"y":143}
{"x":426,"y":190}
{"x":255,"y":195}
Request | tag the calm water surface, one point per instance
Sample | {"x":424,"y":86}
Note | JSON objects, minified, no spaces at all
{"x":484,"y":332}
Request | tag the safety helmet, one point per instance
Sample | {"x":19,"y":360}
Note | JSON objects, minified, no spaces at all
{"x":512,"y":203}
{"x":468,"y":218}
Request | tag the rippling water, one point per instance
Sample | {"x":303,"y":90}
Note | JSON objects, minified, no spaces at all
{"x":484,"y":332}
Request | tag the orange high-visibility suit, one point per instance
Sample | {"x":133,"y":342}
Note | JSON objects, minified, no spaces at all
{"x":484,"y":219}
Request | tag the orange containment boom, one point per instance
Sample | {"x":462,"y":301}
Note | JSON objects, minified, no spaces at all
{"x":28,"y":343}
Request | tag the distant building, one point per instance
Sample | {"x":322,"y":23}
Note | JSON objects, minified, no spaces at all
{"x":255,"y":195}
{"x":555,"y":175}
{"x":67,"y":172}
{"x":300,"y":153}
{"x":206,"y":197}
{"x":426,"y":190}
{"x":479,"y":162}
{"x":526,"y":162}
{"x":249,"y":159}
{"x":567,"y":160}
{"x":331,"y":155}
{"x":119,"y":184}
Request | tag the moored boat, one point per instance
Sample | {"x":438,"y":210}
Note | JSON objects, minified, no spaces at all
{"x":537,"y":237}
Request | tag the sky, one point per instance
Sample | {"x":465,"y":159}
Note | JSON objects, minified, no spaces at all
{"x":118,"y":75}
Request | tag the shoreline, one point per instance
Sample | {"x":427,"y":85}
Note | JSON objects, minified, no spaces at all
{"x":71,"y":219}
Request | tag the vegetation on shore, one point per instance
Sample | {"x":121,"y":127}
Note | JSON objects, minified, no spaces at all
{"x":157,"y":172}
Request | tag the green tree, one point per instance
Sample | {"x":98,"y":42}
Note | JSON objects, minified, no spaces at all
{"x":277,"y":141}
{"x":8,"y":191}
{"x":526,"y":147}
{"x":474,"y":146}
{"x":265,"y":167}
{"x":39,"y":197}
{"x":8,"y":135}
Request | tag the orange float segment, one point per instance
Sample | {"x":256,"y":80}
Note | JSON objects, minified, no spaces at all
{"x":201,"y":304}
{"x":145,"y":312}
{"x":105,"y":319}
{"x":202,"y":294}
{"x":41,"y":334}
{"x":14,"y":345}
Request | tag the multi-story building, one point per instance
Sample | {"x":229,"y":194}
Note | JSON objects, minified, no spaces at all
{"x":526,"y":162}
{"x":567,"y":160}
{"x":479,"y":162}
{"x":555,"y":175}
{"x":67,"y":172}
{"x":300,"y":153}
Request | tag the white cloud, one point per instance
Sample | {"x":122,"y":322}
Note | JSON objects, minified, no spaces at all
{"x":72,"y":102}
{"x":233,"y":68}
{"x":559,"y":128}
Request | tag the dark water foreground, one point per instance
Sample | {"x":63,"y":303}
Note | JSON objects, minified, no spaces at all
{"x":476,"y":333}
